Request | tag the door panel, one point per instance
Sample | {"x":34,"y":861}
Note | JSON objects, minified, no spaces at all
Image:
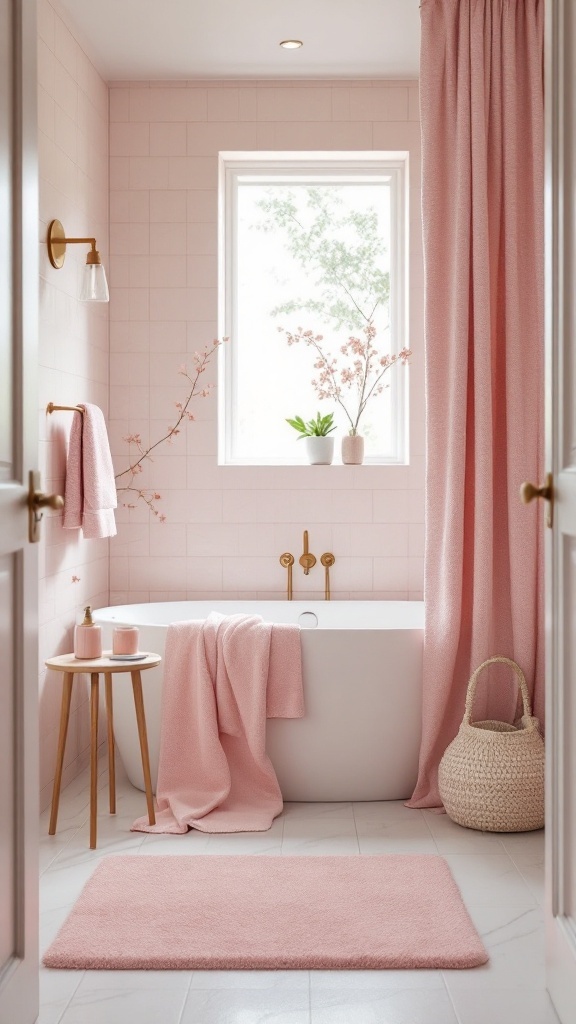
{"x":7,"y":865}
{"x":560,"y":351}
{"x":18,"y":559}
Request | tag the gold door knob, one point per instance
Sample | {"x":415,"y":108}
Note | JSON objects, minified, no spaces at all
{"x":38,"y":500}
{"x":42,"y":500}
{"x":529,"y":491}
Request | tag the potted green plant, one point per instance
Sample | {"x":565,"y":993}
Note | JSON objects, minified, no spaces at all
{"x":319,"y":446}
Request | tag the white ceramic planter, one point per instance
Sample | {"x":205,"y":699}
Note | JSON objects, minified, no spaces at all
{"x":353,"y":450}
{"x":320,"y":450}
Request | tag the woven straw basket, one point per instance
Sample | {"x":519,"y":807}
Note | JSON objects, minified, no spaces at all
{"x":491,"y":776}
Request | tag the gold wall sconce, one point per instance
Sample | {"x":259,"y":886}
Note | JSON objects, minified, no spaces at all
{"x":94,"y":287}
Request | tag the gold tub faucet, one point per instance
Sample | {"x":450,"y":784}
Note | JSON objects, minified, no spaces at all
{"x":287,"y":561}
{"x":307,"y":561}
{"x":327,"y":561}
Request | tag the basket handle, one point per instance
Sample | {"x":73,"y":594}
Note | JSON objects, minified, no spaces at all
{"x":474,"y":679}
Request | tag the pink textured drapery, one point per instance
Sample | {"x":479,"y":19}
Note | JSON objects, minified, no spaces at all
{"x":482,"y":109}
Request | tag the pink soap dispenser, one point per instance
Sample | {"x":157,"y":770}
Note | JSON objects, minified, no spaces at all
{"x":88,"y":637}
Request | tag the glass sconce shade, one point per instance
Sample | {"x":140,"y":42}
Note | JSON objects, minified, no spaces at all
{"x":94,"y":286}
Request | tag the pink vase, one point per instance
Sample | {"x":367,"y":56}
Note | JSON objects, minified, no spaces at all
{"x":353,"y":450}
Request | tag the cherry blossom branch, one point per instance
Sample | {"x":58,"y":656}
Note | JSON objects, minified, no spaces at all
{"x":147,"y":495}
{"x":363,"y":367}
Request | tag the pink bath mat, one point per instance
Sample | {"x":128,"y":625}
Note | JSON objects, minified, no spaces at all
{"x":268,"y":913}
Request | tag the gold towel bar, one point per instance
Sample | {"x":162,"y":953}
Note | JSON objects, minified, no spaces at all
{"x":63,"y":408}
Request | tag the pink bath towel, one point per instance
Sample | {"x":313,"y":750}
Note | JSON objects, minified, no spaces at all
{"x":90,"y":496}
{"x":222,"y":678}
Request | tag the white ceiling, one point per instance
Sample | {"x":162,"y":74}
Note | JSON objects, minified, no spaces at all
{"x":184,"y":39}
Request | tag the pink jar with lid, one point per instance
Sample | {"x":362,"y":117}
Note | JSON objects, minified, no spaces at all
{"x":125,"y":640}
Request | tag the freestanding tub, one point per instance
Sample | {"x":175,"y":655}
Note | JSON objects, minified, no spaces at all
{"x":362,"y":668}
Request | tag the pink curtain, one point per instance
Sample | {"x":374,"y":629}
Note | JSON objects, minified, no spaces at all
{"x":482,"y":108}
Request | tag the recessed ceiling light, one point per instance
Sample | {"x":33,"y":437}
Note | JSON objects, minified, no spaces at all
{"x":291,"y":44}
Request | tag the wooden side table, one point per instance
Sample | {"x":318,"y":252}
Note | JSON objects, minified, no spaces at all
{"x":71,"y":666}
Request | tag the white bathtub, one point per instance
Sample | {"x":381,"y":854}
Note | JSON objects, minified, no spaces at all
{"x":362,"y":666}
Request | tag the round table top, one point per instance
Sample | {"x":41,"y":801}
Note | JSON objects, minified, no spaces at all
{"x":68,"y":663}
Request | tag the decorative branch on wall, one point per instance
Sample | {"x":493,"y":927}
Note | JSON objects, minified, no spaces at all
{"x":196,"y":390}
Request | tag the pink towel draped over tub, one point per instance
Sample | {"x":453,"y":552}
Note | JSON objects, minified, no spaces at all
{"x":223,"y":677}
{"x":90,"y":495}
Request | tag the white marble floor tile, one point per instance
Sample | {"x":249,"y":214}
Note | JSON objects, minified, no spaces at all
{"x":310,"y":828}
{"x":316,"y":836}
{"x":50,"y":924}
{"x":382,"y":1006}
{"x":56,"y":990}
{"x":277,"y":980}
{"x":310,"y":846}
{"x":95,"y":981}
{"x":400,"y":839}
{"x":358,"y":981}
{"x":514,"y":939}
{"x":533,"y":875}
{"x":505,"y":1006}
{"x":385,"y":813}
{"x":247,"y":843}
{"x":121,"y":1005}
{"x":50,"y":846}
{"x":489,"y":880}
{"x":326,"y":811}
{"x":246,"y":1006}
{"x":524,"y":847}
{"x":115,"y":841}
{"x":453,"y":838}
{"x":159,"y":844}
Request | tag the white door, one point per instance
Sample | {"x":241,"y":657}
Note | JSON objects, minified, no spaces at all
{"x":18,"y":559}
{"x":561,"y":540}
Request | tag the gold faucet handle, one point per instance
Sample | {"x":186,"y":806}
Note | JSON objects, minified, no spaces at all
{"x":287,"y":561}
{"x":307,"y":562}
{"x":327,"y":560}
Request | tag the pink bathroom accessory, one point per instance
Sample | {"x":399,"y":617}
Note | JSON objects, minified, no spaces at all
{"x":88,"y":638}
{"x":223,"y":676}
{"x":125,"y":640}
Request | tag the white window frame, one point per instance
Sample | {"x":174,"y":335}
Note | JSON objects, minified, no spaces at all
{"x":232,"y":167}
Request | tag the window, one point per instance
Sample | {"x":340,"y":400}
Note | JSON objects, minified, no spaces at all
{"x":315,"y":244}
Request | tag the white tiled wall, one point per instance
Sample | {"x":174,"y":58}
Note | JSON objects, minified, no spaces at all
{"x":227,"y":526}
{"x":73,"y":353}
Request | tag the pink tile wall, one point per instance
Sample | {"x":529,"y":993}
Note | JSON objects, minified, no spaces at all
{"x":227,"y":526}
{"x":73,"y":355}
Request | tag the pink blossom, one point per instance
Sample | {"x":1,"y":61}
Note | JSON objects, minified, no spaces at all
{"x":365,"y":373}
{"x":200,"y":360}
{"x":162,"y":518}
{"x":75,"y":579}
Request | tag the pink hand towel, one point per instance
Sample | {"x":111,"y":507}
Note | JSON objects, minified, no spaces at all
{"x":90,"y":495}
{"x":222,"y":678}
